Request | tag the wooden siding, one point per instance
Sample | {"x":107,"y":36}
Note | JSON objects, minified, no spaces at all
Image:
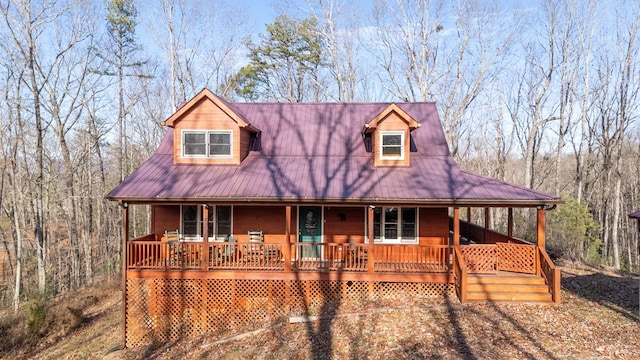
{"x":268,"y":219}
{"x":205,"y":115}
{"x":392,"y":122}
{"x":165,"y":218}
{"x":245,"y":140}
{"x":433,"y":226}
{"x":337,"y":230}
{"x":433,"y":223}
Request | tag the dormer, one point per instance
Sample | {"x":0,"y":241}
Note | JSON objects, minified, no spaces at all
{"x":208,"y":131}
{"x":390,"y":139}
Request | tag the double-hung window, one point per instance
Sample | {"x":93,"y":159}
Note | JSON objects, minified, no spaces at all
{"x":391,"y":145}
{"x":219,"y":226}
{"x":212,"y":143}
{"x":395,"y":225}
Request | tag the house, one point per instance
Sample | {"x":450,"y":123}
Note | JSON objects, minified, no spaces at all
{"x":263,"y":210}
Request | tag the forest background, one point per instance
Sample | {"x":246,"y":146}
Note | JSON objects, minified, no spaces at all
{"x":543,"y":94}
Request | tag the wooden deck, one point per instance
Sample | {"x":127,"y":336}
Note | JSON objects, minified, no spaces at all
{"x":355,"y":262}
{"x":179,"y":288}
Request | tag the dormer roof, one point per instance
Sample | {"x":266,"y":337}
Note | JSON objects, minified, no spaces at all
{"x":206,"y":94}
{"x":393,"y":108}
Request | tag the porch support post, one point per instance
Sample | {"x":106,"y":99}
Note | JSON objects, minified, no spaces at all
{"x":370,"y":255}
{"x":287,"y":236}
{"x":510,"y":222}
{"x":540,"y":229}
{"x":456,"y":226}
{"x":486,"y":224}
{"x":125,"y":258}
{"x":205,"y":237}
{"x":469,"y":214}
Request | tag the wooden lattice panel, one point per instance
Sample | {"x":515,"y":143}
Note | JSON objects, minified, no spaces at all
{"x":516,"y":257}
{"x":387,"y":290}
{"x":480,"y":258}
{"x":139,"y":324}
{"x":168,"y":309}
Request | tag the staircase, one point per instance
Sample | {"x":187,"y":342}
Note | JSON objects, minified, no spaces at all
{"x":507,"y":287}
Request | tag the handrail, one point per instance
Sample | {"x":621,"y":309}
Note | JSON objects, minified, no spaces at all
{"x":460,"y":274}
{"x":147,"y":237}
{"x":551,"y":274}
{"x":304,"y":256}
{"x":474,"y":231}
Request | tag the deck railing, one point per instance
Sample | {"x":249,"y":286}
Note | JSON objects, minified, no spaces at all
{"x":483,"y":235}
{"x":460,"y":274}
{"x":490,"y":258}
{"x":551,"y":275}
{"x":145,"y":254}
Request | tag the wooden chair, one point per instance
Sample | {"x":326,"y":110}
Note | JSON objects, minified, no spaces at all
{"x":255,"y":236}
{"x":228,"y":250}
{"x":358,"y":254}
{"x":172,"y":235}
{"x":172,"y":238}
{"x":254,"y":249}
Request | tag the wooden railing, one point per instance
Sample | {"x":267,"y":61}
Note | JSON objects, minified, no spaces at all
{"x":144,"y":254}
{"x":413,"y":258}
{"x":490,"y":258}
{"x":551,"y":275}
{"x":479,"y":234}
{"x":460,"y":274}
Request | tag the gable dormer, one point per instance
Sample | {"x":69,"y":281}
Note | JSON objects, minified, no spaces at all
{"x":389,"y":134}
{"x":208,"y":131}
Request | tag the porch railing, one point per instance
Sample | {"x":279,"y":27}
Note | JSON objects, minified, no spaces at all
{"x":551,"y":275}
{"x":490,"y":258}
{"x":477,"y":233}
{"x":144,"y":254}
{"x":460,"y":274}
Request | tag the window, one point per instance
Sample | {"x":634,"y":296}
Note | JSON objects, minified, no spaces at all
{"x":392,"y":145}
{"x":214,"y":143}
{"x":219,"y":227}
{"x":395,"y":225}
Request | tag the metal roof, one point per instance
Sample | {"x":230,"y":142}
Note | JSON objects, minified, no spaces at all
{"x":316,"y":153}
{"x":635,"y":215}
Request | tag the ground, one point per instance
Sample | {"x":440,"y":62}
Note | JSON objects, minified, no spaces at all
{"x":598,"y":319}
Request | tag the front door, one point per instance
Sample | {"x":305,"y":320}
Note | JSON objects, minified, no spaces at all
{"x":310,"y":230}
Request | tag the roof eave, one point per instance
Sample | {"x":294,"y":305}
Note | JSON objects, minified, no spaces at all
{"x":347,"y":201}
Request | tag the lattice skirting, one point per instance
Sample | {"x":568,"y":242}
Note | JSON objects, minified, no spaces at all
{"x":163,"y":310}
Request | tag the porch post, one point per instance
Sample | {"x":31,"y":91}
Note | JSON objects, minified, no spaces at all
{"x":456,"y":226}
{"x":125,"y":258}
{"x":370,"y":255}
{"x":287,"y":236}
{"x":205,"y":237}
{"x":510,"y":222}
{"x":486,"y":224}
{"x":540,"y":229}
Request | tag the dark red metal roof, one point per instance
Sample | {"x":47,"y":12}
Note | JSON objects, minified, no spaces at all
{"x":316,"y":153}
{"x":635,"y":215}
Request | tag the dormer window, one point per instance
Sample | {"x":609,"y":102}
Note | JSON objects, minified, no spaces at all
{"x":212,"y":144}
{"x":391,"y":145}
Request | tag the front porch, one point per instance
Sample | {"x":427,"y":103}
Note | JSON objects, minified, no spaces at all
{"x":149,"y":257}
{"x":183,"y":288}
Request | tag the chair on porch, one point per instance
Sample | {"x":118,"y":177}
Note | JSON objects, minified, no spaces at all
{"x":228,"y":251}
{"x":357,"y":254}
{"x":254,"y":249}
{"x":174,"y":252}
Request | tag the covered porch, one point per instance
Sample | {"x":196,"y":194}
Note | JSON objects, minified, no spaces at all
{"x":472,"y":250}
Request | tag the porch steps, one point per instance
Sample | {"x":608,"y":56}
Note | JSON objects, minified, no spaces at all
{"x":507,"y":287}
